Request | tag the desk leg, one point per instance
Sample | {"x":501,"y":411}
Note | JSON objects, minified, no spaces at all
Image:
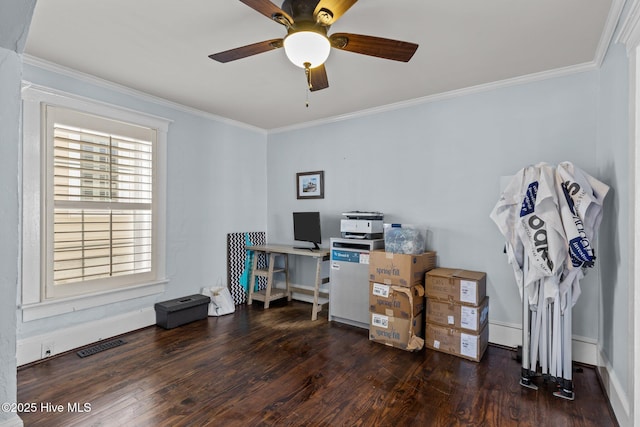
{"x":252,"y":278}
{"x":316,"y":291}
{"x":286,"y":276}
{"x":267,"y":296}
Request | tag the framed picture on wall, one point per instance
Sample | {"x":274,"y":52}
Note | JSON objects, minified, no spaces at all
{"x":310,"y":185}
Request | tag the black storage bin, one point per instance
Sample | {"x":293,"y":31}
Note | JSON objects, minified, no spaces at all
{"x":180,"y":311}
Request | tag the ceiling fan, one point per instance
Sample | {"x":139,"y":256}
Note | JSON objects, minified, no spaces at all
{"x":307,"y":44}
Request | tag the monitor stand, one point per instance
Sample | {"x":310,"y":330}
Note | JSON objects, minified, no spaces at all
{"x":314,"y":248}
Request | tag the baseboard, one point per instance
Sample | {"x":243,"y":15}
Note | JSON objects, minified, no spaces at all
{"x":583,"y":350}
{"x":13,"y":421}
{"x":31,"y":349}
{"x":505,"y":334}
{"x":618,"y":398}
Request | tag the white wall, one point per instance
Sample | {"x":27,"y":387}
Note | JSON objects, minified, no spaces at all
{"x":216,"y":184}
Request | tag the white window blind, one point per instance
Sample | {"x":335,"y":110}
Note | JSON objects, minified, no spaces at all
{"x":102,"y":196}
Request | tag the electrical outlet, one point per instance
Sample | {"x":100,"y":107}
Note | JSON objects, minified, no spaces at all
{"x":47,"y":349}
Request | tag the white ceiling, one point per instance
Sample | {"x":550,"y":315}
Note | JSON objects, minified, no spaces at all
{"x":161,"y":47}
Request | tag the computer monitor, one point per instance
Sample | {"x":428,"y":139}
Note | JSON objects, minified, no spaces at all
{"x":306,"y":228}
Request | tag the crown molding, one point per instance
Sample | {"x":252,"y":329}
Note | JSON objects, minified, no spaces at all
{"x":629,"y":33}
{"x":611,"y":24}
{"x":529,"y":78}
{"x":124,"y":90}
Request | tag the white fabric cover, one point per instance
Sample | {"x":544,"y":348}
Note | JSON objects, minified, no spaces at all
{"x":550,"y":215}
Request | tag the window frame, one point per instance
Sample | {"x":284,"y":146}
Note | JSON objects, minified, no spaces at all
{"x":34,"y":301}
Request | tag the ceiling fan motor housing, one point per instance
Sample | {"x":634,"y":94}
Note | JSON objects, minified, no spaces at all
{"x":300,"y":9}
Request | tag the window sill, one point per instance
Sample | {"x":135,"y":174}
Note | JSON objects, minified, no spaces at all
{"x":46,"y":309}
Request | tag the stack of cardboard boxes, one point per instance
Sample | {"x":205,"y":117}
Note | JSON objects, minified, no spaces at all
{"x":457,"y":313}
{"x":396,"y":298}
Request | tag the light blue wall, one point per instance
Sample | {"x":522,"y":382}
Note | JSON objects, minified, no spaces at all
{"x":439,"y":164}
{"x":10,"y":67}
{"x":215,"y":185}
{"x":15,"y":18}
{"x":613,"y":153}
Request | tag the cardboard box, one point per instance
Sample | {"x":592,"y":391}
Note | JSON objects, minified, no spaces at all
{"x":396,"y":301}
{"x":405,"y":334}
{"x":455,"y":285}
{"x":399,"y":269}
{"x":470,"y":318}
{"x":457,"y":342}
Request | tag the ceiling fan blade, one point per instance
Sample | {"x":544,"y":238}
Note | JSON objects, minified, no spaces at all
{"x":318,"y":77}
{"x":248,"y":50}
{"x":374,"y":46}
{"x":329,"y":11}
{"x":269,"y":10}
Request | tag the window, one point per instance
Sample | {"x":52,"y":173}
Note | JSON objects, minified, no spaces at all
{"x":100,"y":182}
{"x":95,"y":234}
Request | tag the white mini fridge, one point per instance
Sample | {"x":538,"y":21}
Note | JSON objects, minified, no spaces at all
{"x":349,"y":278}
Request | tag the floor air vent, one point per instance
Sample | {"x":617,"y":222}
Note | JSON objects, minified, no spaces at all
{"x":100,"y":347}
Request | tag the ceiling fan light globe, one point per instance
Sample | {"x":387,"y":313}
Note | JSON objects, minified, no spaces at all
{"x":307,"y":47}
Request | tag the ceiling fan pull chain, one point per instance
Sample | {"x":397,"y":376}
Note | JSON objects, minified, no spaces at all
{"x":307,"y":72}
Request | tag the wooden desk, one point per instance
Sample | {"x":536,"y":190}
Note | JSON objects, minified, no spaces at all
{"x":271,"y":293}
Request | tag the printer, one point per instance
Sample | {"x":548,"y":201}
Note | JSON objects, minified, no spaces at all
{"x":362,"y":225}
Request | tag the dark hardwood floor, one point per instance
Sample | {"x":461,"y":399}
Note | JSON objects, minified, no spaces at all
{"x":277,"y":368}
